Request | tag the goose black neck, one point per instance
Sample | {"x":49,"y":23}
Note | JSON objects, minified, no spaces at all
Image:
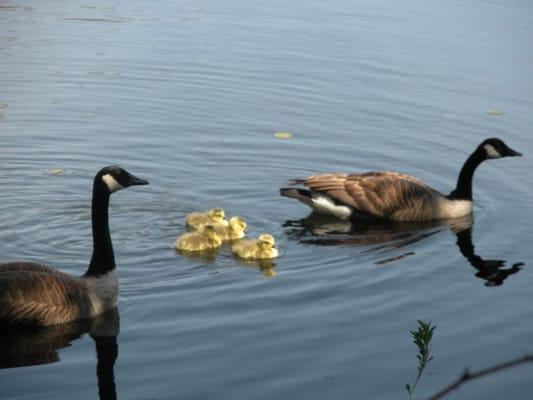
{"x":103,"y":258}
{"x":463,"y":190}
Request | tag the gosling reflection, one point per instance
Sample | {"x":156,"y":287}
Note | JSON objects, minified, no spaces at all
{"x":266,"y":266}
{"x":28,"y":347}
{"x":383,"y":236}
{"x":206,"y":257}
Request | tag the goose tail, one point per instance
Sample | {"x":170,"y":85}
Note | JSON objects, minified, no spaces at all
{"x":303,"y":195}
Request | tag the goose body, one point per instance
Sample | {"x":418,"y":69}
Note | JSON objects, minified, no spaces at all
{"x":215,"y":216}
{"x":202,"y":240}
{"x":262,"y":248}
{"x":35,"y":294}
{"x":392,"y":195}
{"x":235,"y":230}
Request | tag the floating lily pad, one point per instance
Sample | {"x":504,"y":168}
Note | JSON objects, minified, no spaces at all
{"x":56,"y":171}
{"x":495,"y":111}
{"x":283,"y":135}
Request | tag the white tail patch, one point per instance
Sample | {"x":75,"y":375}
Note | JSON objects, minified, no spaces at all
{"x":111,"y":183}
{"x":491,"y":151}
{"x":325,"y":205}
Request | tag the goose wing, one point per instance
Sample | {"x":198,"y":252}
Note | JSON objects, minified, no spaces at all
{"x":386,"y":195}
{"x":31,"y":293}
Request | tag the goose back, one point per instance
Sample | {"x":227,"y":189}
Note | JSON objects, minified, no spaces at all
{"x":379,"y":195}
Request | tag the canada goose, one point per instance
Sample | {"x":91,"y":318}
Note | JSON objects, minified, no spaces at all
{"x":235,"y":230}
{"x":215,"y":216}
{"x":202,"y":240}
{"x":391,"y":195}
{"x":34,"y":294}
{"x":263,"y":247}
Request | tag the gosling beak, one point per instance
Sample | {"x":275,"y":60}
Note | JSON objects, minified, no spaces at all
{"x":133,"y":181}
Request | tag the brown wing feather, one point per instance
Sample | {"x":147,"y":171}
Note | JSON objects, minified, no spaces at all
{"x":35,"y":294}
{"x":387,"y":195}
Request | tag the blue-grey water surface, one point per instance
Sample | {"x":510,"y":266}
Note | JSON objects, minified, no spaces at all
{"x":189,"y":94}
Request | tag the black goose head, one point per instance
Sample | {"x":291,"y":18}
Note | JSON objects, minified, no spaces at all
{"x":114,"y":178}
{"x":496,"y":148}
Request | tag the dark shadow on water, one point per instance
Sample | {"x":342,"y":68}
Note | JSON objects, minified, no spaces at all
{"x":24,"y":347}
{"x":383,"y":236}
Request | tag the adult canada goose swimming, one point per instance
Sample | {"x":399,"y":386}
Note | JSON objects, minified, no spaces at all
{"x":235,"y":230}
{"x":34,"y":294}
{"x":264,"y":247}
{"x":391,"y":195}
{"x":197,"y":220}
{"x":202,"y":240}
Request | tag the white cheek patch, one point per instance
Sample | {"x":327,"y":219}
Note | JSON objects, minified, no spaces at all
{"x":491,"y":151}
{"x":325,"y":205}
{"x":111,"y":183}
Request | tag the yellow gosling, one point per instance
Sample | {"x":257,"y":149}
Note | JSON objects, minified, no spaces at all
{"x":264,"y":247}
{"x":235,"y":230}
{"x":205,"y":239}
{"x":215,"y":216}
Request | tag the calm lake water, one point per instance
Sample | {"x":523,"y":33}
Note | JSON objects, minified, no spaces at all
{"x":189,"y":94}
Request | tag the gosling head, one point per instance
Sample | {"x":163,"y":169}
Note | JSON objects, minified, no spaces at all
{"x":210,"y":232}
{"x":237,"y":224}
{"x":217,"y":214}
{"x":496,"y":148}
{"x":115,"y":178}
{"x":266,"y":241}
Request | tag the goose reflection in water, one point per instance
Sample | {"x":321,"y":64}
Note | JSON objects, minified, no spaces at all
{"x":22,"y":347}
{"x":383,"y":236}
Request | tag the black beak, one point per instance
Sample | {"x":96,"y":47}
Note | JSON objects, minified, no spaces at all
{"x":511,"y":153}
{"x":133,"y":181}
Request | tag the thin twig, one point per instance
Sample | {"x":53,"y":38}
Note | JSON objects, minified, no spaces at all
{"x":467,"y":376}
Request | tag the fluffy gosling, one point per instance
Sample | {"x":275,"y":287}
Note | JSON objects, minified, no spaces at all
{"x":264,"y":247}
{"x":235,"y":230}
{"x":205,"y":239}
{"x":215,"y":216}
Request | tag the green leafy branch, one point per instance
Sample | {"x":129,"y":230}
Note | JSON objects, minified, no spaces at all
{"x":421,"y":337}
